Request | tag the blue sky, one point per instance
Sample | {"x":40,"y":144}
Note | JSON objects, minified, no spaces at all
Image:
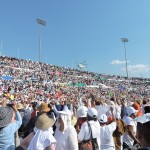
{"x":79,"y":30}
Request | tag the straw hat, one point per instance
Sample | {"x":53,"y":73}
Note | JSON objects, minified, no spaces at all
{"x":6,"y":114}
{"x":44,"y":108}
{"x":44,"y":122}
{"x":20,"y":106}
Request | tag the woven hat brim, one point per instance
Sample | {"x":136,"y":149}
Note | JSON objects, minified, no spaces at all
{"x":20,"y":107}
{"x":7,"y":120}
{"x":49,"y":123}
{"x":45,"y":110}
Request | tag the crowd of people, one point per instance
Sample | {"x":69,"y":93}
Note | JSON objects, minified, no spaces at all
{"x":47,"y":107}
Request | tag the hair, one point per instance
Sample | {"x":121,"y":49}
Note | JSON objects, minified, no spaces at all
{"x":1,"y":129}
{"x":98,"y":102}
{"x":84,"y":119}
{"x":112,"y":99}
{"x":147,"y":109}
{"x":92,"y":97}
{"x":144,"y":130}
{"x":102,"y":123}
{"x":144,"y":102}
{"x":89,"y":118}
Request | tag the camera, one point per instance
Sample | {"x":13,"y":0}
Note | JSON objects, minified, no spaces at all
{"x":10,"y":105}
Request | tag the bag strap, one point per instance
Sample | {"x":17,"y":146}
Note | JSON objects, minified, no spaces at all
{"x":90,"y":130}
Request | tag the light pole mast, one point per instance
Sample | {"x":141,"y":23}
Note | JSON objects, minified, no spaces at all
{"x":43,"y":23}
{"x":125,"y":40}
{"x":18,"y":52}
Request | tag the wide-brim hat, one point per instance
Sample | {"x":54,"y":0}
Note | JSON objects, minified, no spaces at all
{"x":20,"y":106}
{"x":6,"y":114}
{"x":44,"y":108}
{"x":44,"y":122}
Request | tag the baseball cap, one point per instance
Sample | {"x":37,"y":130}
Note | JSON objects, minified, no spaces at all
{"x":82,"y":111}
{"x":92,"y":112}
{"x":102,"y":118}
{"x":131,"y":110}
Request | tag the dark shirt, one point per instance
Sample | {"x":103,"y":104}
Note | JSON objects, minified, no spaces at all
{"x":146,"y":148}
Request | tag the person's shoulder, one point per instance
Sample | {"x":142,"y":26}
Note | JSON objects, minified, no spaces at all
{"x":112,"y":123}
{"x":85,"y":124}
{"x":71,"y":130}
{"x":95,"y":123}
{"x":146,"y":148}
{"x":91,"y":122}
{"x":127,"y":118}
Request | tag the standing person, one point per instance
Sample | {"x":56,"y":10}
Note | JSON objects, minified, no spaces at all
{"x":136,"y":106}
{"x":41,"y":138}
{"x":65,"y":133}
{"x":106,"y":132}
{"x":143,"y":131}
{"x":43,"y":109}
{"x":129,"y":137}
{"x":95,"y":127}
{"x":8,"y":126}
{"x":27,"y":114}
{"x":81,"y":115}
{"x":119,"y":132}
{"x":35,"y":111}
{"x":19,"y":134}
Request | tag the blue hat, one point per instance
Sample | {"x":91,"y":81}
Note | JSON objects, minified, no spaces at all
{"x":6,"y":114}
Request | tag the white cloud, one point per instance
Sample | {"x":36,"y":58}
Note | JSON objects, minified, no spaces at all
{"x":137,"y":68}
{"x":118,"y":62}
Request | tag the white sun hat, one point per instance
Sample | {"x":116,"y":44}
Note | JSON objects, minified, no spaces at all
{"x":82,"y":112}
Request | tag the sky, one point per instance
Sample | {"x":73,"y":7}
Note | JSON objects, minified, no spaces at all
{"x":77,"y":31}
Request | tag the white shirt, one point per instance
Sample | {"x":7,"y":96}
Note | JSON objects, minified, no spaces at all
{"x":106,"y":136}
{"x":41,"y":139}
{"x":27,"y":115}
{"x":126,"y":138}
{"x":66,"y":140}
{"x":84,"y":132}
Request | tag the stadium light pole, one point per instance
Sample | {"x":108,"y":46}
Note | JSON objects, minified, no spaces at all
{"x":125,"y":40}
{"x":43,"y":23}
{"x":18,"y":52}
